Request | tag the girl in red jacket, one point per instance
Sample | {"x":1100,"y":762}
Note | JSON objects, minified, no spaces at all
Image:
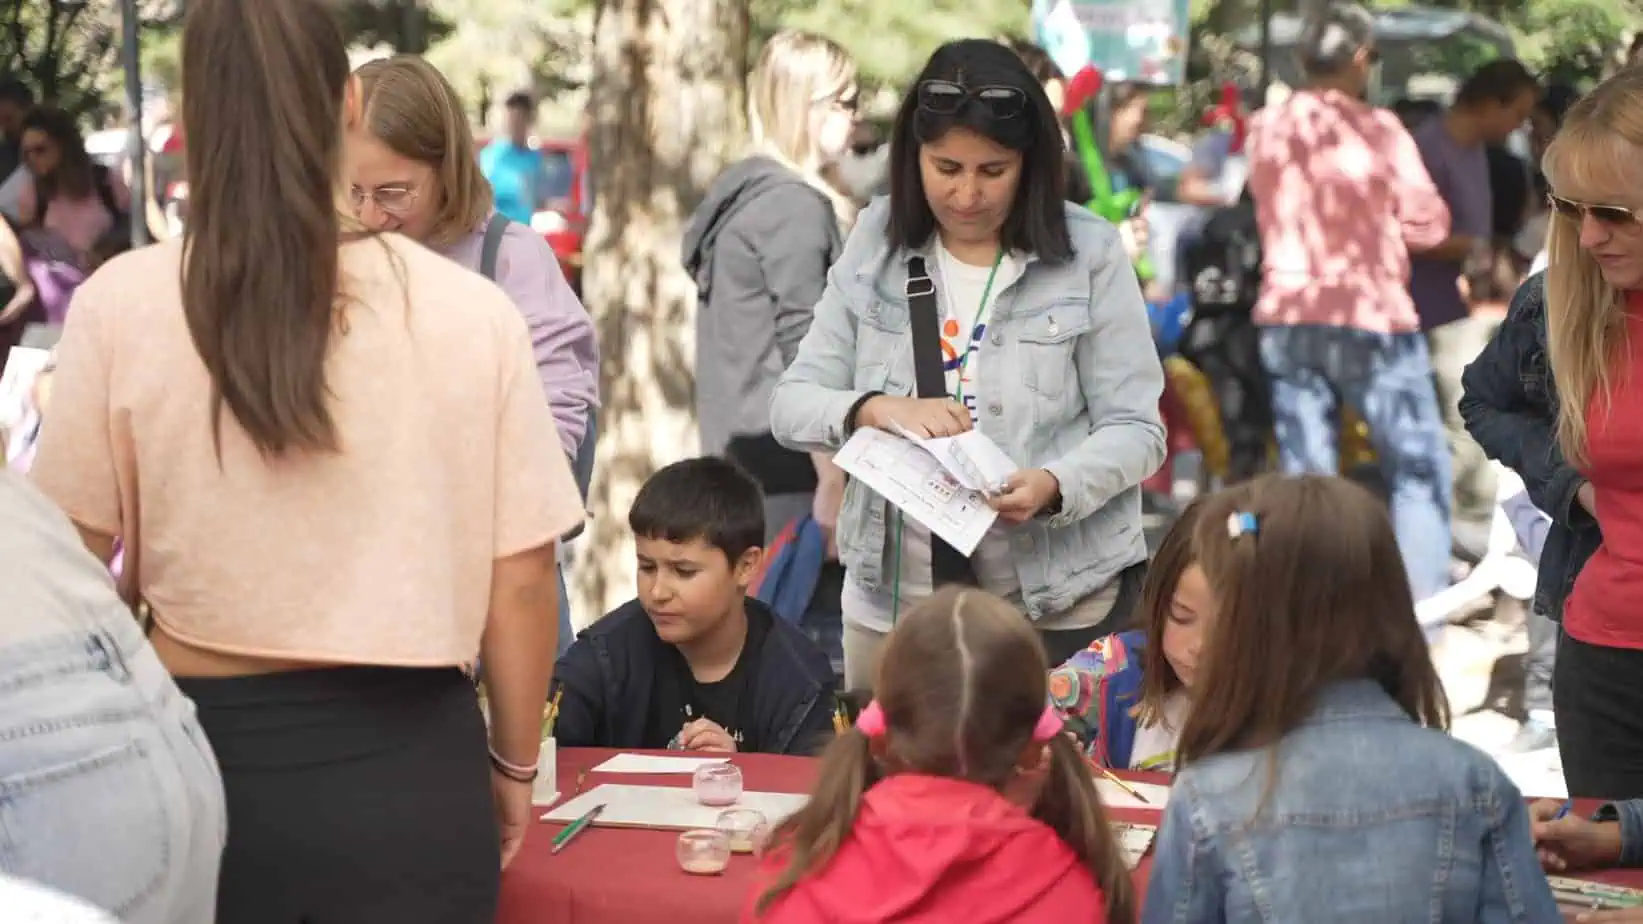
{"x":955,"y":798}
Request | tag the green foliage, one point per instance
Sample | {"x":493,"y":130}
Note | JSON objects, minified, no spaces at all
{"x":68,"y":51}
{"x":891,"y":40}
{"x":403,"y":25}
{"x":1574,"y":41}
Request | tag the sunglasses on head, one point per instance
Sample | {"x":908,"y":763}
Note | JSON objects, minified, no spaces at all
{"x":944,"y":97}
{"x":1611,"y":215}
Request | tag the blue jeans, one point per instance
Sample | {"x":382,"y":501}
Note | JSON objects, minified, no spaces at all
{"x":108,"y":789}
{"x":1387,"y":379}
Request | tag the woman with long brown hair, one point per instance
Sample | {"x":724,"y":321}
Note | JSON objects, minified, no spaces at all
{"x":957,"y":751}
{"x":333,"y":492}
{"x":1316,"y":780}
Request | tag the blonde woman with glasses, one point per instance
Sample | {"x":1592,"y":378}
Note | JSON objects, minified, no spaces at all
{"x":759,"y":248}
{"x":413,"y":168}
{"x":1556,"y":396}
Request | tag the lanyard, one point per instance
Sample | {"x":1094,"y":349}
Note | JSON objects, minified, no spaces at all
{"x":968,"y":333}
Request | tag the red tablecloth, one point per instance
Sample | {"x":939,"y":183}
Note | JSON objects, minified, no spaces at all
{"x":630,"y":876}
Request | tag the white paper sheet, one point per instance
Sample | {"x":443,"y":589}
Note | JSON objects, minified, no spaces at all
{"x":1134,"y":840}
{"x":655,"y":763}
{"x":1112,"y":794}
{"x":971,"y":458}
{"x":906,"y":475}
{"x":667,"y":808}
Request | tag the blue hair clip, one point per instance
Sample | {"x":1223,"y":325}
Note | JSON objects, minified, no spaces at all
{"x":1241,"y":524}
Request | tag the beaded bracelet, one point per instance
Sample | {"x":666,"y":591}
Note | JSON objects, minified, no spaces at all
{"x":519,"y":773}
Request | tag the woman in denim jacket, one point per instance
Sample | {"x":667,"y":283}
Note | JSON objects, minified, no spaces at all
{"x":1045,"y":347}
{"x":1317,"y":781}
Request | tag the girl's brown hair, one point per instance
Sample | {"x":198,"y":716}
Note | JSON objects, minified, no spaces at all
{"x":410,"y":107}
{"x":962,"y":682}
{"x":1315,"y":594}
{"x":1174,"y":556}
{"x":263,"y":87}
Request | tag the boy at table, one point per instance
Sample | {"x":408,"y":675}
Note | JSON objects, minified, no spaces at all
{"x":694,"y":663}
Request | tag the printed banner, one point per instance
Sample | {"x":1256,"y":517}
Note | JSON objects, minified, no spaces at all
{"x":1142,"y":40}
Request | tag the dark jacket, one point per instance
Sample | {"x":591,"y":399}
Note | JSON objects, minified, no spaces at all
{"x":1509,"y":401}
{"x":758,"y":249}
{"x":609,"y":675}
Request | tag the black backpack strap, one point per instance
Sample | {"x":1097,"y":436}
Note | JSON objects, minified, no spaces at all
{"x":949,"y":565}
{"x":494,"y":231}
{"x":105,"y":192}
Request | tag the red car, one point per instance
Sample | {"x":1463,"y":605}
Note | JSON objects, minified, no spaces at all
{"x":566,"y":202}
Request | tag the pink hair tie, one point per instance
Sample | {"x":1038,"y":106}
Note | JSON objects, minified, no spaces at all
{"x":871,"y":723}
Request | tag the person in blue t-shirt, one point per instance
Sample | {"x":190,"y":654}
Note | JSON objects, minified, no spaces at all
{"x":515,"y":169}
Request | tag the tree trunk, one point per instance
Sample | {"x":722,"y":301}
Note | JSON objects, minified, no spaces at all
{"x":668,"y":112}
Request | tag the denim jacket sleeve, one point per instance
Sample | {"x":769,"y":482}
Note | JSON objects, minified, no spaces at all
{"x":1514,"y":890}
{"x":1630,"y":816}
{"x":1121,"y":379}
{"x":1501,"y":417}
{"x":814,"y":394}
{"x":1184,"y":888}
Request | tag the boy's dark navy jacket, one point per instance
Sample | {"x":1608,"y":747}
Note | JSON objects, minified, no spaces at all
{"x":608,"y":677}
{"x":1509,"y":402}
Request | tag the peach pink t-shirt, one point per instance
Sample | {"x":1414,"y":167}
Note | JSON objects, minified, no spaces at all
{"x":378,"y":554}
{"x":1341,"y":197}
{"x":81,"y":222}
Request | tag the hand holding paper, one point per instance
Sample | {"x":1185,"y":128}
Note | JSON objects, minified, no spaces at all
{"x":1025,"y":494}
{"x":921,"y":417}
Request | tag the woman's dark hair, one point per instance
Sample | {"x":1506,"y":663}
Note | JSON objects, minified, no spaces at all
{"x":962,"y":682}
{"x":1315,"y":594}
{"x":263,"y":88}
{"x":1037,"y":222}
{"x":76,"y":174}
{"x":1174,"y":556}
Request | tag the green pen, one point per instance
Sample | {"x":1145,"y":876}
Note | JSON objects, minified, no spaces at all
{"x":563,"y":838}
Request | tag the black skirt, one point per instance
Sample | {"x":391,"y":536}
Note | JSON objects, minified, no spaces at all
{"x":356,"y":795}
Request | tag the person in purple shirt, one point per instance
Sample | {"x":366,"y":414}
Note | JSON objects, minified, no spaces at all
{"x":413,"y":169}
{"x":1488,"y":107}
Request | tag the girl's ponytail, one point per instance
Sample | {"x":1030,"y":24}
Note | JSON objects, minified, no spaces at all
{"x":1071,"y":806}
{"x":810,"y":838}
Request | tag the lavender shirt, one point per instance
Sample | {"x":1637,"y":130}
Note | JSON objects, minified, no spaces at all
{"x":567,"y":353}
{"x":1462,"y":177}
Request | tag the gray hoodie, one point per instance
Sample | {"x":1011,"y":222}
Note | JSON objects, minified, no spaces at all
{"x":758,"y":248}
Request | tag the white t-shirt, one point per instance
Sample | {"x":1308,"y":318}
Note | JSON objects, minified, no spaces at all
{"x":1154,"y":747}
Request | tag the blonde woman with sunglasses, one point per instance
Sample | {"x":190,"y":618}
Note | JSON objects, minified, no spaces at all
{"x":1557,"y":396}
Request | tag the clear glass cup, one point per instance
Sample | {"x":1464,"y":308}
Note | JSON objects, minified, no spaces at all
{"x":703,"y":852}
{"x":747,"y":829}
{"x":717,"y":784}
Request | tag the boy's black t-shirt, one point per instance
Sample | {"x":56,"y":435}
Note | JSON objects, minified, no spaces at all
{"x":678,"y":698}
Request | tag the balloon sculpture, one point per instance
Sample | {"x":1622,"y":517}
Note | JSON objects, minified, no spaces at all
{"x":1117,"y":206}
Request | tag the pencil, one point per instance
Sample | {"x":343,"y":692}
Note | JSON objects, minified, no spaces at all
{"x":1123,"y":785}
{"x":553,"y":710}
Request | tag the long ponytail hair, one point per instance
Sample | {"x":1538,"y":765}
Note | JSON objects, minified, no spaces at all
{"x":263,"y":89}
{"x":944,"y":653}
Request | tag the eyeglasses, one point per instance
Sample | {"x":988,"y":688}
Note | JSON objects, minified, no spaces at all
{"x":394,"y":200}
{"x":944,"y":97}
{"x":1613,"y":216}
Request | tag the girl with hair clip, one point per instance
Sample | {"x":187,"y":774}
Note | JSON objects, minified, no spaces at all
{"x":1125,"y":697}
{"x":947,"y":803}
{"x":1317,"y":781}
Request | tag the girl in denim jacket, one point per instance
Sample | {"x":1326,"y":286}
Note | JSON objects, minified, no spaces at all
{"x":1317,"y":781}
{"x":1125,"y":696}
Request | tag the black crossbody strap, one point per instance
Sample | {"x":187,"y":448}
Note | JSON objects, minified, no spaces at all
{"x":930,"y":378}
{"x":948,"y":565}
